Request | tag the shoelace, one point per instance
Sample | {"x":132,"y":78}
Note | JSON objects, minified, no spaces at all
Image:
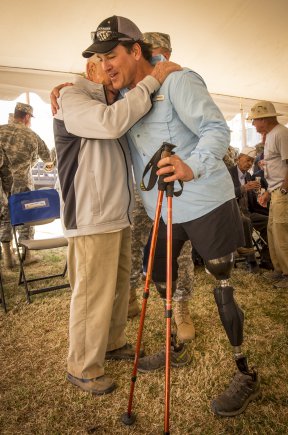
{"x":238,"y":383}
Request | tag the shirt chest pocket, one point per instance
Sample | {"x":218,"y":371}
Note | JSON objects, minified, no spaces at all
{"x":155,"y":127}
{"x":161,"y":112}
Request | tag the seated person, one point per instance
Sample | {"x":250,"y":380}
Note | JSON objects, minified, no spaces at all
{"x":258,"y":170}
{"x":253,"y":214}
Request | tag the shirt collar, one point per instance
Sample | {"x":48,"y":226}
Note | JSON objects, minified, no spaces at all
{"x":241,"y":175}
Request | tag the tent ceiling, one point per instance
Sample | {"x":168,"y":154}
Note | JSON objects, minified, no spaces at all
{"x":239,"y":47}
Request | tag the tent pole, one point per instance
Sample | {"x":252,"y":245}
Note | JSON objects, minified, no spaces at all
{"x":244,"y":137}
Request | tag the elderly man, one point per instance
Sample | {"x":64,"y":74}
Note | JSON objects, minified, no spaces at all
{"x":253,"y":215}
{"x":206,"y":213}
{"x":264,"y":119}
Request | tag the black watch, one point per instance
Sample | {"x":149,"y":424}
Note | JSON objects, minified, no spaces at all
{"x":283,"y":191}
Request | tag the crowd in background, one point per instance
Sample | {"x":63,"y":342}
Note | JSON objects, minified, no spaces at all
{"x":240,"y":212}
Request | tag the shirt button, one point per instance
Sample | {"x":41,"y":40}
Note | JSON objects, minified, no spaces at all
{"x":138,"y":135}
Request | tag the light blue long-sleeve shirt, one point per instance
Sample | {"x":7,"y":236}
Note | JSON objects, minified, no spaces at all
{"x":185,"y":115}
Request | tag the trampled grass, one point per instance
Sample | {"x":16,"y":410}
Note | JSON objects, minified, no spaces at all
{"x":37,"y":399}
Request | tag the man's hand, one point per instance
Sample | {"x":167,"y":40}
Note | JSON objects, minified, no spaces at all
{"x":175,"y":165}
{"x":263,"y":199}
{"x":261,"y":164}
{"x":48,"y":166}
{"x":55,"y":93}
{"x":252,"y":185}
{"x":163,"y":69}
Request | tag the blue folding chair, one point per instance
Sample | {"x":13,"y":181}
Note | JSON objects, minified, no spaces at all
{"x":32,"y":208}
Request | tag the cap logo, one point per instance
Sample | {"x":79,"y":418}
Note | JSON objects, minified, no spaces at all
{"x":103,"y":34}
{"x":259,"y":108}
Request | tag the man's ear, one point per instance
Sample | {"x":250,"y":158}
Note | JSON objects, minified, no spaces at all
{"x":27,"y":119}
{"x":136,"y":51}
{"x":89,"y":70}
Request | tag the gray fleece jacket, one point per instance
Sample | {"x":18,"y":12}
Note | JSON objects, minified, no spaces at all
{"x":94,"y":166}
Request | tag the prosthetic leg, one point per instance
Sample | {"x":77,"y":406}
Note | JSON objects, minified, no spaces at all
{"x":245,"y":385}
{"x":128,"y":418}
{"x":230,"y":313}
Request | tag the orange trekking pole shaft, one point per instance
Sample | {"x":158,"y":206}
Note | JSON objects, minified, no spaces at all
{"x":128,"y":417}
{"x":168,"y":314}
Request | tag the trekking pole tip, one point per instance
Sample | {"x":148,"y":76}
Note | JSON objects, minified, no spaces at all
{"x":128,"y":419}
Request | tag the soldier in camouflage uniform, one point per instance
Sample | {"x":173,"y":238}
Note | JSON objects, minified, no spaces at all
{"x":21,"y":148}
{"x":5,"y":189}
{"x":140,"y":232}
{"x":231,"y":156}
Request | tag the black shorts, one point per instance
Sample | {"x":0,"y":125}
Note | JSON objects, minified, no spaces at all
{"x":213,"y":235}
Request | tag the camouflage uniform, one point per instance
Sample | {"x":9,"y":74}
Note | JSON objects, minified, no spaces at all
{"x":3,"y":202}
{"x":4,"y":217}
{"x":140,"y":232}
{"x":22,"y":148}
{"x":185,"y":274}
{"x":5,"y":189}
{"x":230,"y":156}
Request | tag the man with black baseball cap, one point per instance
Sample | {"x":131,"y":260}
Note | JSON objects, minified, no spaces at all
{"x":207,"y":212}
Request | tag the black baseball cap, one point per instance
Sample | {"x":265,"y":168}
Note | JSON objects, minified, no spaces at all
{"x":110,"y":32}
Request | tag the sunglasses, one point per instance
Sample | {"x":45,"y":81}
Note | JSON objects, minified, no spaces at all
{"x":108,"y":35}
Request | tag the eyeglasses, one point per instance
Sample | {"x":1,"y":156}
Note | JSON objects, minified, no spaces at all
{"x":108,"y":35}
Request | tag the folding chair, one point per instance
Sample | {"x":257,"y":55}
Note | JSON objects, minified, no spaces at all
{"x":258,"y":242}
{"x":2,"y":295}
{"x":32,"y":208}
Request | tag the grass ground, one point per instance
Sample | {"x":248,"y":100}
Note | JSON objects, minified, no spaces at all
{"x":37,"y":399}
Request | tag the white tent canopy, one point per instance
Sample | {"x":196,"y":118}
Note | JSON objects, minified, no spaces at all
{"x":238,"y":46}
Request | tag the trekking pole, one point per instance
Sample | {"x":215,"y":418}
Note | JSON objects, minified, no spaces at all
{"x":128,"y":418}
{"x":168,"y":309}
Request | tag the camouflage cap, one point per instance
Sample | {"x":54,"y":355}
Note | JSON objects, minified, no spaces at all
{"x":157,"y":39}
{"x":26,"y":108}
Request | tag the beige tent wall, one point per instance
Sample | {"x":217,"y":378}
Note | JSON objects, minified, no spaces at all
{"x":14,"y":81}
{"x":240,"y":47}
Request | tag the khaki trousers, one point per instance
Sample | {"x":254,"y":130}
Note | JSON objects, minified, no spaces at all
{"x":277,"y":231}
{"x":99,"y":273}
